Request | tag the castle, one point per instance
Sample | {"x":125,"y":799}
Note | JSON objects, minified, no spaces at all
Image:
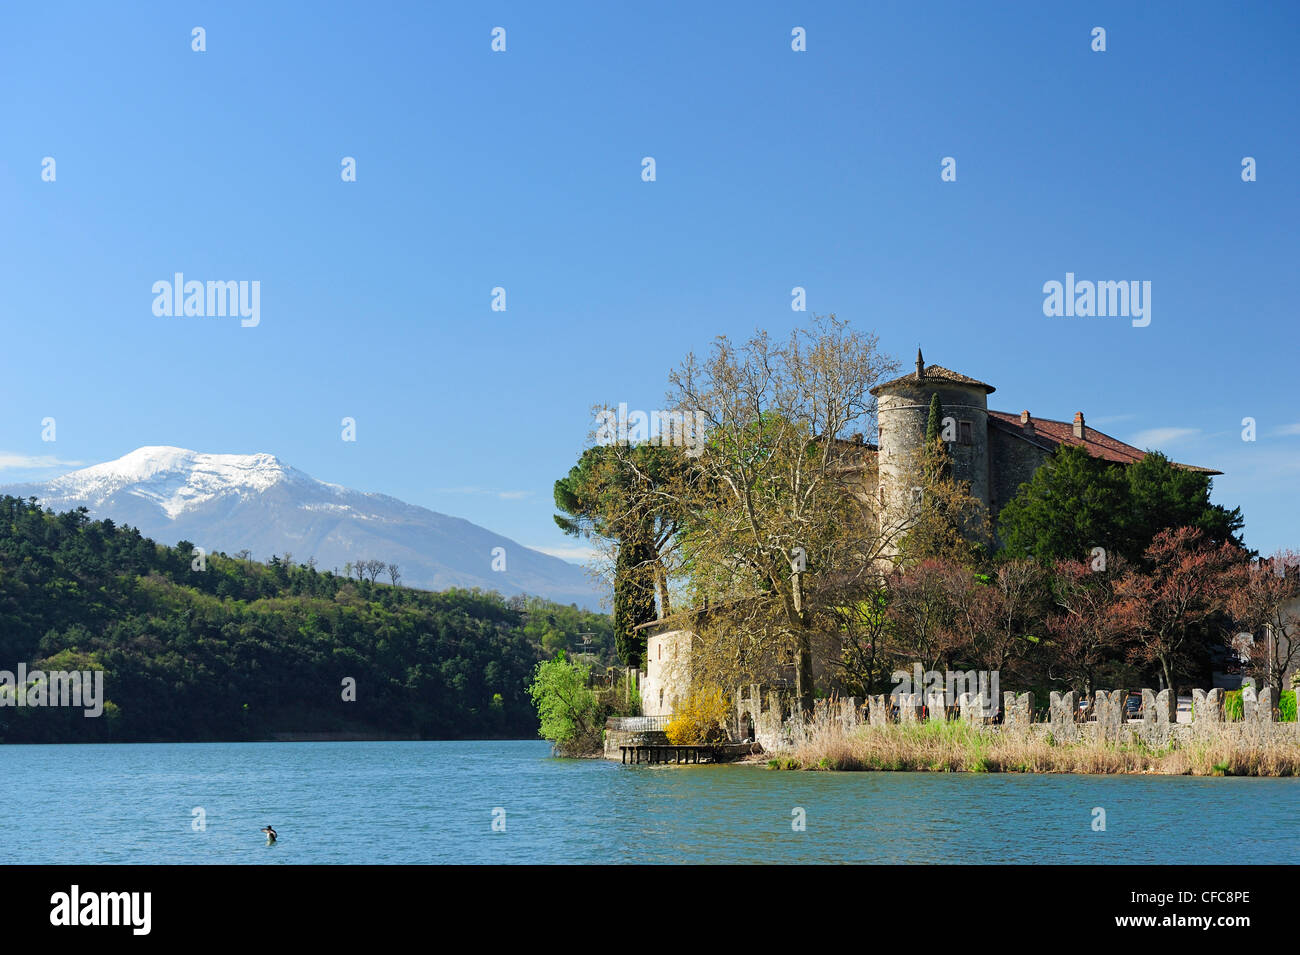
{"x":992,"y":451}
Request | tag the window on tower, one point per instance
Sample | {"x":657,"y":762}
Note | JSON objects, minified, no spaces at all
{"x":963,"y":432}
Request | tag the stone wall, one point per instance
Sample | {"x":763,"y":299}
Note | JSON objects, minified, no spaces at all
{"x":615,"y":736}
{"x":769,"y":717}
{"x":776,"y":722}
{"x":1108,"y":720}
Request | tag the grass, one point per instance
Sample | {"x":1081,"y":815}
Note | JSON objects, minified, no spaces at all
{"x":957,"y":747}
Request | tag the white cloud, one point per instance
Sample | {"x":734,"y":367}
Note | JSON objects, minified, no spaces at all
{"x":1159,"y":437}
{"x":9,"y":461}
{"x":576,"y":554}
{"x":485,"y":491}
{"x":1288,"y":429}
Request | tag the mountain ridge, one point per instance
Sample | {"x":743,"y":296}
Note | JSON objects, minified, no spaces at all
{"x":232,"y":502}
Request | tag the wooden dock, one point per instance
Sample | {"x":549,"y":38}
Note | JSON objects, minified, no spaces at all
{"x":652,"y":753}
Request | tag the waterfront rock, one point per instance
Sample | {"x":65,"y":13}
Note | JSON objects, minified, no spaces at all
{"x":849,"y":713}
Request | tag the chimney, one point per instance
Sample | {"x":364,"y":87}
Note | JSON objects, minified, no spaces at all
{"x":920,"y":363}
{"x":1026,"y":422}
{"x":1078,"y":425}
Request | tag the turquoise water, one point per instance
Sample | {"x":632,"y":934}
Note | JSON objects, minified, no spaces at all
{"x":434,"y":802}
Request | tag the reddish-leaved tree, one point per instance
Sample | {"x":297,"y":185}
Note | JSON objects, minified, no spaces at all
{"x":1189,"y":582}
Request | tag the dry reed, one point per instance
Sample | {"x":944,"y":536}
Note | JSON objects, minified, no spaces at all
{"x":958,"y":747}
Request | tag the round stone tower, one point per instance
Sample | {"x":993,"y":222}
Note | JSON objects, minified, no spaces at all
{"x":903,"y":411}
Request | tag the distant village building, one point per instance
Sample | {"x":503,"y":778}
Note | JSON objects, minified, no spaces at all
{"x":1280,"y":647}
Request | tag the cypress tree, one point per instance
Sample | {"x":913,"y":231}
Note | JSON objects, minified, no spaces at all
{"x":634,"y":596}
{"x":934,"y":424}
{"x":934,"y":436}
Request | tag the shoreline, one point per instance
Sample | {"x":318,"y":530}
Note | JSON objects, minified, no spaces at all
{"x":341,"y":737}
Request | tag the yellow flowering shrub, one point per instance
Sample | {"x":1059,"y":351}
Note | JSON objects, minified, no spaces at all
{"x":700,"y":718}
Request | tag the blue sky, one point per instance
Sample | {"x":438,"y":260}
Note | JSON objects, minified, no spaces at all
{"x":522,"y":170}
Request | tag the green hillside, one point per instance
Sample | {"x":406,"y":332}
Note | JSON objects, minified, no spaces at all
{"x":247,"y":650}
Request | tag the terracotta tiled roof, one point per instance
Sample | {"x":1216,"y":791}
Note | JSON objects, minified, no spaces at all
{"x":937,"y":373}
{"x":1048,"y":434}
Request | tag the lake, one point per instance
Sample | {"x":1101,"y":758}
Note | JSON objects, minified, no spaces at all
{"x":426,"y":802}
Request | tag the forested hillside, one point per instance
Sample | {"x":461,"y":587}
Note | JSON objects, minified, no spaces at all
{"x":227,"y":648}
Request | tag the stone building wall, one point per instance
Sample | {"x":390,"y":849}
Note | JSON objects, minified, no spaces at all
{"x":903,"y":413}
{"x":1012,"y":462}
{"x":667,"y":671}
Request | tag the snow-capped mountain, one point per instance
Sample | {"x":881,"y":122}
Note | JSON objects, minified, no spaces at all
{"x":232,"y":502}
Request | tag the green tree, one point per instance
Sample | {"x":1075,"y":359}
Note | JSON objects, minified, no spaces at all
{"x":634,"y":595}
{"x":934,"y":423}
{"x":184,"y":652}
{"x":1070,"y":506}
{"x":1076,"y":502}
{"x":566,"y":705}
{"x":613,"y":494}
{"x":1161,"y":495}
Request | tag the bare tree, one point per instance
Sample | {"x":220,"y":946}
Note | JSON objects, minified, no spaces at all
{"x":1089,"y":630}
{"x":863,"y":631}
{"x":1019,"y":597}
{"x":394,"y":574}
{"x":777,"y":524}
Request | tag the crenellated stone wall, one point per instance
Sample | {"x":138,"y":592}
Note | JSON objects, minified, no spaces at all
{"x":1106,"y":720}
{"x":770,"y":718}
